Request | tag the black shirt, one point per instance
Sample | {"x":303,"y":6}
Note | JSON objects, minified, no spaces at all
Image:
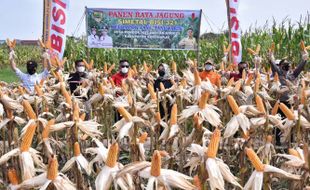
{"x":75,"y":80}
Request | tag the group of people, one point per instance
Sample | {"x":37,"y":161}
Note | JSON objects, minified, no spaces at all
{"x":96,"y":41}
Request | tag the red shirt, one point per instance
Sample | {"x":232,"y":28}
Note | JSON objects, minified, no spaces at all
{"x":117,"y":78}
{"x":236,"y":76}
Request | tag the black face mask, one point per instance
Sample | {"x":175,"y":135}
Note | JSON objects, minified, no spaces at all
{"x":31,"y":70}
{"x":161,"y":73}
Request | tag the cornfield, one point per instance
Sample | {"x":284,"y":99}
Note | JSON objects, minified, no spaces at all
{"x":193,"y":135}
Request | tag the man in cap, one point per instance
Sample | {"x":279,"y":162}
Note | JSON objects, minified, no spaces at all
{"x":31,"y":78}
{"x":210,"y":74}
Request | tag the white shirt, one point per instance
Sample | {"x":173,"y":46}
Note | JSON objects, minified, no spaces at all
{"x":93,"y":41}
{"x":29,"y":81}
{"x":106,"y":42}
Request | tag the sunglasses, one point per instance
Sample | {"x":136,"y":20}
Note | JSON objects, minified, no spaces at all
{"x":123,"y":66}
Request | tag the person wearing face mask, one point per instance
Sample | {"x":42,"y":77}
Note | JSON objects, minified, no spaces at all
{"x":210,"y":74}
{"x":164,"y":78}
{"x":93,"y":39}
{"x":31,"y":78}
{"x":241,"y":66}
{"x":76,"y":78}
{"x":122,"y":73}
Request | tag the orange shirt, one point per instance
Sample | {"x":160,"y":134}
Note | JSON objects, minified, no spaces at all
{"x":214,"y":77}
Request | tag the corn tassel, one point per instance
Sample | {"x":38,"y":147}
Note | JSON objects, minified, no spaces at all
{"x":256,"y":162}
{"x":27,"y":139}
{"x":233,"y":105}
{"x":156,"y":164}
{"x":214,"y":143}
{"x":260,"y":104}
{"x":52,"y":171}
{"x":287,"y":112}
{"x":28,"y":109}
{"x":125,"y":114}
{"x":112,"y":155}
{"x":13,"y":178}
{"x":174,"y":113}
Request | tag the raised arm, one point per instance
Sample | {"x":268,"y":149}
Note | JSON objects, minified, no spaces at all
{"x":273,"y":65}
{"x":46,"y":61}
{"x":300,"y":67}
{"x":12,"y":60}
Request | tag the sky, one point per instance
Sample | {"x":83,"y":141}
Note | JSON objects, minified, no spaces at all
{"x":22,"y":19}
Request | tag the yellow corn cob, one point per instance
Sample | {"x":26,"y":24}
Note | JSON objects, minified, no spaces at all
{"x":275,"y":108}
{"x":46,"y":129}
{"x":101,"y":89}
{"x":111,"y":68}
{"x":246,"y":135}
{"x":233,"y":104}
{"x":257,"y":85}
{"x":303,"y":96}
{"x":151,"y":91}
{"x":157,"y":117}
{"x":129,"y":99}
{"x":302,"y":45}
{"x":287,"y":112}
{"x":127,"y":116}
{"x":172,"y":82}
{"x":21,"y":90}
{"x":112,"y":155}
{"x":76,"y":112}
{"x":76,"y":149}
{"x":52,"y":170}
{"x":41,"y":82}
{"x":162,"y":87}
{"x":145,"y":66}
{"x":174,"y":113}
{"x":214,"y":143}
{"x":143,"y":137}
{"x":12,"y":175}
{"x":294,"y":152}
{"x":124,"y":87}
{"x":243,"y":74}
{"x":256,"y":162}
{"x":156,"y":164}
{"x":9,"y":113}
{"x":134,"y":67}
{"x":130,"y":74}
{"x":251,"y":51}
{"x":276,"y":78}
{"x":91,"y":64}
{"x":257,"y":49}
{"x":27,"y":139}
{"x":174,"y":67}
{"x":28,"y":109}
{"x":83,"y":116}
{"x":230,"y":82}
{"x":38,"y":90}
{"x":105,"y":68}
{"x":183,"y":83}
{"x":197,"y":77}
{"x":249,"y":80}
{"x":86,"y":64}
{"x":269,"y":139}
{"x":203,"y":100}
{"x":197,"y":182}
{"x":272,"y":47}
{"x":112,"y":83}
{"x":65,"y":94}
{"x":163,"y":153}
{"x":260,"y":104}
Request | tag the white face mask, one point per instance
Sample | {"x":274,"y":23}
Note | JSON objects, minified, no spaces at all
{"x":124,"y":70}
{"x":208,"y":67}
{"x":80,"y":69}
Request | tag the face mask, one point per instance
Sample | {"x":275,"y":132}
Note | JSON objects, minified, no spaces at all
{"x":161,"y":73}
{"x":208,"y":67}
{"x":32,"y":70}
{"x":124,"y":70}
{"x":80,"y":69}
{"x":286,"y":68}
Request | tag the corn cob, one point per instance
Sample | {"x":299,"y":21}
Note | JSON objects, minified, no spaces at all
{"x":276,"y":78}
{"x":52,"y":171}
{"x":112,"y":82}
{"x":101,"y":89}
{"x":238,"y":85}
{"x":197,"y":182}
{"x":287,"y":112}
{"x":303,"y":96}
{"x":157,"y":117}
{"x":9,"y":113}
{"x":260,"y":104}
{"x":46,"y":129}
{"x":174,"y":67}
{"x":251,"y":51}
{"x":111,"y":68}
{"x":76,"y":112}
{"x":13,"y":178}
{"x":38,"y":90}
{"x":249,"y":80}
{"x":76,"y":149}
{"x":174,"y":113}
{"x":197,"y":77}
{"x":83,"y":116}
{"x":151,"y":91}
{"x":134,"y":67}
{"x":162,"y":87}
{"x":203,"y":100}
{"x":256,"y":162}
{"x":65,"y":93}
{"x":112,"y":155}
{"x":302,"y":46}
{"x":143,"y":137}
{"x":27,"y":139}
{"x":294,"y":153}
{"x":105,"y":68}
{"x":21,"y":90}
{"x":243,"y":74}
{"x":269,"y":139}
{"x":127,"y":116}
{"x":275,"y":108}
{"x":156,"y":164}
{"x":233,"y":104}
{"x":28,"y":109}
{"x":214,"y":143}
{"x":230,"y":82}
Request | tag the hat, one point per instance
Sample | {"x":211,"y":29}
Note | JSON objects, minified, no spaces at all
{"x":209,"y":61}
{"x":32,"y":64}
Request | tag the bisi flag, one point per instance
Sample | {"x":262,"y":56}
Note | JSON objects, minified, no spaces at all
{"x":55,"y":18}
{"x":235,"y":31}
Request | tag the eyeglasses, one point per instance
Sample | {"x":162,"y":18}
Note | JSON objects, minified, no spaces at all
{"x":123,"y":66}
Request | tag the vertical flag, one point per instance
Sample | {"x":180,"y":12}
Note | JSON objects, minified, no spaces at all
{"x":55,"y":18}
{"x":235,"y":30}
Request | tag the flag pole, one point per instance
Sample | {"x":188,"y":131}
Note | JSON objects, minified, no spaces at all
{"x":229,"y":31}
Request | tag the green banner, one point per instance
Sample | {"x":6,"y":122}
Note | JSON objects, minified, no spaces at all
{"x":143,"y":29}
